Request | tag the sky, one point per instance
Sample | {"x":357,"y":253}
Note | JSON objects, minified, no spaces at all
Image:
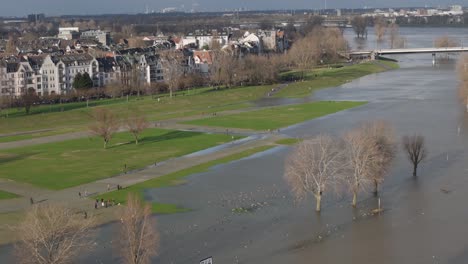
{"x":86,"y":7}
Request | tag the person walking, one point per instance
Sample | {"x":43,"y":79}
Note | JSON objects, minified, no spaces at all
{"x":31,"y":200}
{"x":108,"y":187}
{"x":79,"y":194}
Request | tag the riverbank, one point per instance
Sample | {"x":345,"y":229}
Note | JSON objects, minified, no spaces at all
{"x":321,"y":78}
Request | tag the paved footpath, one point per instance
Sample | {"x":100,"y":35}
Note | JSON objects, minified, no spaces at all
{"x":70,"y":195}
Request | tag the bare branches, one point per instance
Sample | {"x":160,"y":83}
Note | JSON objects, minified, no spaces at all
{"x":139,"y":239}
{"x":396,"y":40}
{"x":446,"y":42}
{"x":361,"y":161}
{"x":105,"y":124}
{"x":136,"y":125}
{"x":415,"y":149}
{"x":52,"y":234}
{"x":462,"y":69}
{"x":173,"y":69}
{"x":314,"y":166}
{"x":381,"y":133}
{"x":359,"y":24}
{"x":380,"y":27}
{"x":304,"y":53}
{"x":225,"y":68}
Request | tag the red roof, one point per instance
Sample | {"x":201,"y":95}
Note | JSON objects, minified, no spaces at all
{"x":205,"y":56}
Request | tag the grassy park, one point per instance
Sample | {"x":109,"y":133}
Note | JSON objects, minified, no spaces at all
{"x":276,"y":117}
{"x":174,"y":179}
{"x":324,"y":77}
{"x":76,"y":116}
{"x":74,"y":162}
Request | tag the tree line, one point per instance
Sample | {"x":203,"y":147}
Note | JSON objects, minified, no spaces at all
{"x":355,"y":162}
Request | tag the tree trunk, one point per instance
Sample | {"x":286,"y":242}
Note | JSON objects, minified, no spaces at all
{"x":376,"y":187}
{"x":318,"y":198}
{"x":415,"y":168}
{"x":354,"y":199}
{"x":105,"y":144}
{"x":136,"y":139}
{"x":170,"y":93}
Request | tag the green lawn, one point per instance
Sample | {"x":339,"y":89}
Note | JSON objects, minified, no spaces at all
{"x":276,"y":117}
{"x":76,"y":116}
{"x":288,"y":141}
{"x":174,"y":179}
{"x":74,"y":162}
{"x":7,"y":195}
{"x":324,"y":77}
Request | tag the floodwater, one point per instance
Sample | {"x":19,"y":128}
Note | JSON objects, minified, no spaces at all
{"x":424,"y":219}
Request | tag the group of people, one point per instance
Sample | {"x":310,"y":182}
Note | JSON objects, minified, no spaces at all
{"x":104,"y":203}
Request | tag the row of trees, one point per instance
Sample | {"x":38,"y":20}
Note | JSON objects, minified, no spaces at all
{"x":54,"y":234}
{"x":381,"y":28}
{"x":106,"y":124}
{"x":355,"y":162}
{"x":320,"y":46}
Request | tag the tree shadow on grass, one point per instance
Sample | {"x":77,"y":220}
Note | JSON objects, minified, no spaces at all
{"x":12,"y":158}
{"x":168,"y":136}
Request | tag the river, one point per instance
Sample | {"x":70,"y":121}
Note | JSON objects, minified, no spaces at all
{"x":420,"y":224}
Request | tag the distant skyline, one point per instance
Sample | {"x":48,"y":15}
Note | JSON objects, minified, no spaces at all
{"x":91,"y":7}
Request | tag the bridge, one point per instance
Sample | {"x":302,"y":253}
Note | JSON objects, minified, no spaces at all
{"x":373,"y":54}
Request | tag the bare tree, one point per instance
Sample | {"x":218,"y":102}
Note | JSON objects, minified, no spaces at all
{"x":359,"y":24}
{"x":395,"y":39}
{"x":415,"y":149}
{"x":382,"y":135}
{"x":446,"y":42}
{"x":105,"y":124}
{"x":361,"y":162}
{"x":462,"y":69}
{"x":173,"y":69}
{"x":225,"y":68}
{"x":136,"y":125}
{"x":28,"y":98}
{"x":380,"y":27}
{"x":52,"y":234}
{"x":139,"y":238}
{"x":304,"y":53}
{"x":314,"y":167}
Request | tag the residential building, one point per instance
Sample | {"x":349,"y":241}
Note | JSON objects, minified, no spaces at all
{"x":203,"y":60}
{"x":100,"y":36}
{"x":68,"y":33}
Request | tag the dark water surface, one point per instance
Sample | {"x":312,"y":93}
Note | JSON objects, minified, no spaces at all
{"x":421,"y":224}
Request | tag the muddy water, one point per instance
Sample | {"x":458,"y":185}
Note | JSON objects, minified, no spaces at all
{"x":421,"y":223}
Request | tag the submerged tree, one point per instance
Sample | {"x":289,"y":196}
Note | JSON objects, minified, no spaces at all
{"x":139,"y":238}
{"x":415,"y":149}
{"x":52,"y":234}
{"x":359,"y":24}
{"x":382,"y":135}
{"x":380,"y":27}
{"x":314,"y":167}
{"x":361,"y":161}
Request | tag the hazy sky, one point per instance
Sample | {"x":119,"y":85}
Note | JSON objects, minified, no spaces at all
{"x":58,"y":7}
